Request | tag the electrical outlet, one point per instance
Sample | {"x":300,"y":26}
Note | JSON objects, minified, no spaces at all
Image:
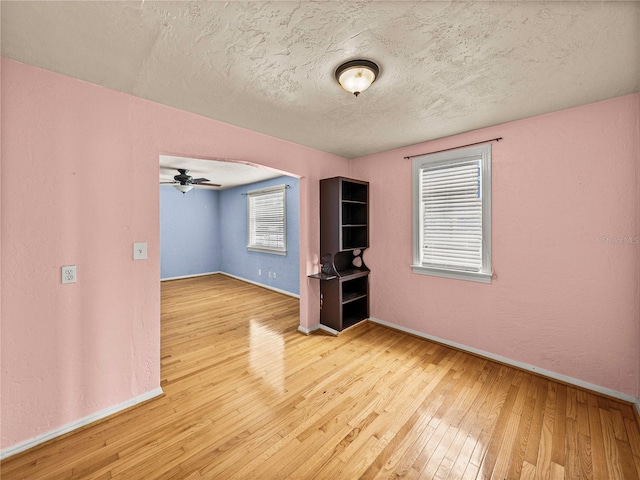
{"x":140,"y":251}
{"x":269,"y":274}
{"x":259,"y":272}
{"x":274,"y":274}
{"x":69,"y":274}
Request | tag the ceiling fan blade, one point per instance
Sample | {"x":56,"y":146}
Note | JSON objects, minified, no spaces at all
{"x":209,"y":184}
{"x":199,"y":180}
{"x":168,"y":183}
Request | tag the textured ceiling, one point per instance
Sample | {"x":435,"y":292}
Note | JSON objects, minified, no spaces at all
{"x":225,"y":174}
{"x":446,"y":67}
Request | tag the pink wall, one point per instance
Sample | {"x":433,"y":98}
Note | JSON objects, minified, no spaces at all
{"x":565,"y":298}
{"x":79,"y":186}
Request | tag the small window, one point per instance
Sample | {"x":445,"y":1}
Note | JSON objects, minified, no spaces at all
{"x":452,"y":214}
{"x":267,"y":216}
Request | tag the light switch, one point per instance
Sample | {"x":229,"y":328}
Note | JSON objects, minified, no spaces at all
{"x":140,"y":251}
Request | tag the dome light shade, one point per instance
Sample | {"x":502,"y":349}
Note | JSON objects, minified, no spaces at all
{"x":183,"y":188}
{"x":357,"y":75}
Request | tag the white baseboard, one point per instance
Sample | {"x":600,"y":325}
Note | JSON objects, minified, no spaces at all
{"x":324,"y":328}
{"x":514,"y":363}
{"x":307,"y":331}
{"x":294,"y":295}
{"x":329,"y":330}
{"x":69,"y":427}
{"x":189,"y":276}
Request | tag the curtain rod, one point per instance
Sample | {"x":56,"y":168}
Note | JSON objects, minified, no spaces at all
{"x":455,"y":148}
{"x":266,"y":189}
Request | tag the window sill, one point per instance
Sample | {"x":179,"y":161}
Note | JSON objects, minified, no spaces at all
{"x":266,"y":250}
{"x":469,"y":276}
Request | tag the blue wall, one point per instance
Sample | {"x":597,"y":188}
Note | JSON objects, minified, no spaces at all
{"x":206,"y":231}
{"x":236,"y":260}
{"x":189,"y":232}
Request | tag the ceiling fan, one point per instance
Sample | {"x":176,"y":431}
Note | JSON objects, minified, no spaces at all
{"x":185,"y":182}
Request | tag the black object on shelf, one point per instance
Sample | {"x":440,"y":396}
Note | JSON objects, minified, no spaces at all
{"x":344,"y":235}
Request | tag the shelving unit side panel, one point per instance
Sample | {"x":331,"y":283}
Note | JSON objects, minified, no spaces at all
{"x":330,"y":216}
{"x":331,"y":304}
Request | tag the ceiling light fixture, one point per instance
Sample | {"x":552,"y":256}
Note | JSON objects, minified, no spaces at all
{"x":183,"y":188}
{"x":357,"y":75}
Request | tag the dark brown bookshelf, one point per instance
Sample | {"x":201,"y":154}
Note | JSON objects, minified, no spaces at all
{"x":344,"y":235}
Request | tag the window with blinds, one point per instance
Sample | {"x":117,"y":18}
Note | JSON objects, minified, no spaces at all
{"x":452,"y":214}
{"x":267,"y":215}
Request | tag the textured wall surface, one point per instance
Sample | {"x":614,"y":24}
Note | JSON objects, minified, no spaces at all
{"x":189,"y":232}
{"x":565,"y":246}
{"x":234,"y":256}
{"x":79,"y":186}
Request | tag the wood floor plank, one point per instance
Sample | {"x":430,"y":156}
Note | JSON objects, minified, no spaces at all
{"x":504,"y":458}
{"x":626,"y":460}
{"x":618,"y":424}
{"x":559,"y":427}
{"x":557,"y":472}
{"x":247,"y":396}
{"x":406,"y":437}
{"x":637,"y":463}
{"x":611,"y":452}
{"x":522,"y":436}
{"x":528,"y":471}
{"x":462,"y":461}
{"x":493,"y":431}
{"x":414,"y":446}
{"x":544,"y":461}
{"x":533,"y":441}
{"x":583,"y":419}
{"x":597,"y":438}
{"x":462,"y":419}
{"x":586,"y":458}
{"x":633,"y":434}
{"x":474,"y":421}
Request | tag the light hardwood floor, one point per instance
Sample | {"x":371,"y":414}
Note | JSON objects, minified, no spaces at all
{"x":248,"y":397}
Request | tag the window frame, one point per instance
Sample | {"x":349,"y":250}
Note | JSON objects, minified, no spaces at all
{"x":482,"y":153}
{"x":255,"y":247}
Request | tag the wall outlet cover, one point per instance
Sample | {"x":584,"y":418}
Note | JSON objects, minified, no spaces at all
{"x":69,"y":274}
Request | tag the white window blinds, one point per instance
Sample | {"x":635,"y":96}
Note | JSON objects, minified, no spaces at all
{"x":452,"y":216}
{"x":267,"y":220}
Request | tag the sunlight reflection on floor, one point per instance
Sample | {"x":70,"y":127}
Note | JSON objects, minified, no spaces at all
{"x":266,"y":355}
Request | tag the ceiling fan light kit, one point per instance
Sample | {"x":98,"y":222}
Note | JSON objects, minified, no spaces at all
{"x":356,"y":76}
{"x":183,"y":188}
